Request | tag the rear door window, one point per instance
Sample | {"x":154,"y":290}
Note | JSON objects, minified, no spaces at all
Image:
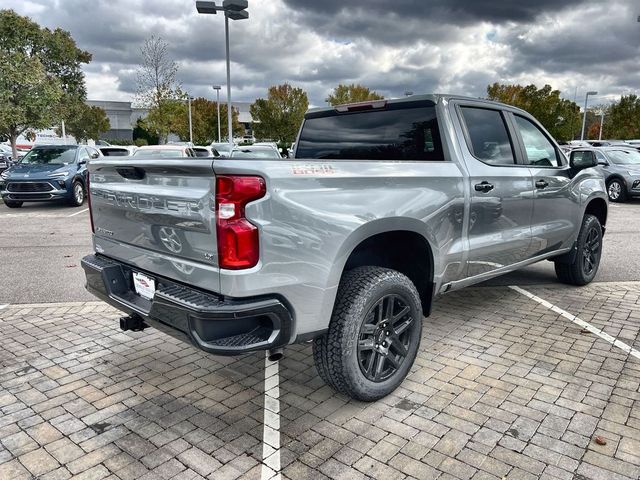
{"x":488,"y":138}
{"x":396,"y":132}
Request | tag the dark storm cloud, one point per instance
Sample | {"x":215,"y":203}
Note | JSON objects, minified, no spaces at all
{"x":455,"y":12}
{"x":403,"y":21}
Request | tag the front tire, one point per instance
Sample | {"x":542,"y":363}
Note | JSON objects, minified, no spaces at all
{"x":77,"y":194}
{"x":617,"y":190}
{"x":587,"y":260}
{"x":13,"y":203}
{"x":373,"y":335}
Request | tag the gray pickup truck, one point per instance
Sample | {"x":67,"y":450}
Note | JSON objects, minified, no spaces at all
{"x":384,"y":206}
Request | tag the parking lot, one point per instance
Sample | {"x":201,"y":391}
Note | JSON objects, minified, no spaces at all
{"x":537,"y":381}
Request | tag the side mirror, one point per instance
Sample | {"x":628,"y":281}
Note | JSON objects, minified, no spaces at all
{"x":581,"y":159}
{"x":603,"y":163}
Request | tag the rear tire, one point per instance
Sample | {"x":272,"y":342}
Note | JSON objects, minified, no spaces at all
{"x":373,"y":335}
{"x":617,"y":190}
{"x":13,"y":203}
{"x":587,"y":260}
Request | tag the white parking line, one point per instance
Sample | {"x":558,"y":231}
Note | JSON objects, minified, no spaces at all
{"x":271,"y":433}
{"x":78,"y":213}
{"x":2,"y":307}
{"x":587,"y":326}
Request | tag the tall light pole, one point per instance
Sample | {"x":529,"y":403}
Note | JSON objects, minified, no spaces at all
{"x":190,"y":124}
{"x":601,"y":123}
{"x":234,"y":10}
{"x":217,"y":89}
{"x":584,"y":119}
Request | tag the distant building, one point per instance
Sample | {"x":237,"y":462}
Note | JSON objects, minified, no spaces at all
{"x":123,"y":117}
{"x":120,"y":116}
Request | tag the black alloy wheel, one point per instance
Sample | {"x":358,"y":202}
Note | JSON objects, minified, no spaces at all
{"x":591,"y":251}
{"x":385,"y":337}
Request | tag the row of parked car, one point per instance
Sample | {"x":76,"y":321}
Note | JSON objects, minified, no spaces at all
{"x":619,"y":162}
{"x":59,"y":172}
{"x":184,"y":150}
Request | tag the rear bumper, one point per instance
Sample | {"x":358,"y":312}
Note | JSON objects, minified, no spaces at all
{"x":213,"y":323}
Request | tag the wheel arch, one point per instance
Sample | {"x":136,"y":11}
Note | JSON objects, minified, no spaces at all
{"x":598,"y":207}
{"x":399,"y":245}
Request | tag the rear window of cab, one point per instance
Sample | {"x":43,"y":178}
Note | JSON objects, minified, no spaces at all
{"x":397,"y":132}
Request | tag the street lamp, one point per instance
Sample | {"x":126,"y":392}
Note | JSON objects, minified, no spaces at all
{"x":217,"y":89}
{"x":234,"y":10}
{"x":190,"y":124}
{"x":584,"y":119}
{"x":601,"y":123}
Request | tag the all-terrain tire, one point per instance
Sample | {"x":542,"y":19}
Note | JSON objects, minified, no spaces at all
{"x":360,"y":300}
{"x":587,"y":260}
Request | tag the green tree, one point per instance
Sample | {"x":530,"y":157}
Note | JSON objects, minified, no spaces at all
{"x":143,"y":135}
{"x":41,"y":77}
{"x":87,"y":122}
{"x":351,"y":94}
{"x":204,"y":118}
{"x":559,"y":116}
{"x":622,"y":119}
{"x":166,"y":117}
{"x":279,"y":116}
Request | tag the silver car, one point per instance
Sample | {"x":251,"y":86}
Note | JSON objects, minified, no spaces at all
{"x":621,"y":169}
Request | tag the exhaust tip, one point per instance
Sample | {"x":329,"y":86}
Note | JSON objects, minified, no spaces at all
{"x":275,"y":354}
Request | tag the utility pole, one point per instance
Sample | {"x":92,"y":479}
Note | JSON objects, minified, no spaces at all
{"x":217,"y":89}
{"x":601,"y":122}
{"x":190,"y":124}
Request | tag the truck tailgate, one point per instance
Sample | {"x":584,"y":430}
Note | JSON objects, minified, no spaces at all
{"x":158,"y":216}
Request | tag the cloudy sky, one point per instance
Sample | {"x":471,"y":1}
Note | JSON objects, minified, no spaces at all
{"x":448,"y":46}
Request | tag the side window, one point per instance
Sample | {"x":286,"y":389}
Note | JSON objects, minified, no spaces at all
{"x":538,"y":148}
{"x":601,"y":158}
{"x":488,"y":137}
{"x":83,"y":155}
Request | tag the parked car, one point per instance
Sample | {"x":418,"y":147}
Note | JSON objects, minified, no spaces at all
{"x":348,"y":243}
{"x":46,"y":173}
{"x":273,"y":145}
{"x":205,"y":152}
{"x":253,"y":151}
{"x":114,"y":151}
{"x":223,"y":149}
{"x":164,"y":151}
{"x":5,"y":157}
{"x":607,"y":143}
{"x":621,"y":169}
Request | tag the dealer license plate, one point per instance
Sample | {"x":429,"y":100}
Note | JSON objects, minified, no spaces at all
{"x":145,"y":286}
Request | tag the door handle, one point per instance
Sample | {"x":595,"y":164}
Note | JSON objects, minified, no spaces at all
{"x":541,"y":184}
{"x":483,"y":187}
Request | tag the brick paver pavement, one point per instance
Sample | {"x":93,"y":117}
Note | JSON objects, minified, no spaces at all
{"x":502,"y":388}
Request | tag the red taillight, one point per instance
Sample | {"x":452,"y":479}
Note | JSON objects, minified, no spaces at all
{"x":93,"y":229}
{"x":238,"y":243}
